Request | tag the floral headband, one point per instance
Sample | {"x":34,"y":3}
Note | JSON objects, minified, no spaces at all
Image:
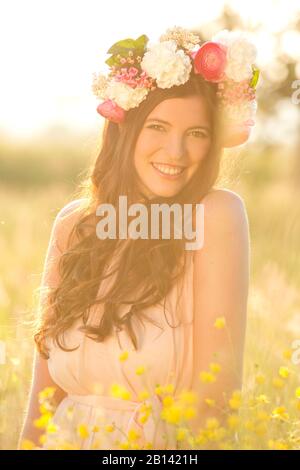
{"x":137,"y":67}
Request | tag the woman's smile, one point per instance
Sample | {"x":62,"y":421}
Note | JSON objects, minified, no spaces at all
{"x":168,"y":171}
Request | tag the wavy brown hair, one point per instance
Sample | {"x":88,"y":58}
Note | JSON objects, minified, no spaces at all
{"x":146,"y":266}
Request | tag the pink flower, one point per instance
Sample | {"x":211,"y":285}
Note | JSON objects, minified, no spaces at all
{"x":133,"y":71}
{"x":236,"y":135}
{"x":210,"y":61}
{"x":110,"y":110}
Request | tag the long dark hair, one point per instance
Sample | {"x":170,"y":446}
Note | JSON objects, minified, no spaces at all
{"x":146,"y":266}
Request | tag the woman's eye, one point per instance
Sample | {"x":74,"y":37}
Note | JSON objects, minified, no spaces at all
{"x":155,"y":127}
{"x":199,"y":134}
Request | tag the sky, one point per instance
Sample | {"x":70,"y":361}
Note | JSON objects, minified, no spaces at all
{"x":49,"y":50}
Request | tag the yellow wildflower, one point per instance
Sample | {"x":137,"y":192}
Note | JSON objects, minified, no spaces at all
{"x":169,"y":388}
{"x":140,"y":370}
{"x":82,"y":431}
{"x":181,"y":434}
{"x":280,"y":413}
{"x":215,"y":367}
{"x":133,"y":435}
{"x":109,"y":428}
{"x":51,"y":428}
{"x":42,"y":439}
{"x":42,"y":421}
{"x":45,"y":408}
{"x":233,"y":421}
{"x":277,"y":445}
{"x":287,"y":354}
{"x":262,"y":399}
{"x":123,"y":356}
{"x":235,"y":400}
{"x":27,"y":444}
{"x":260,"y":379}
{"x":159,"y":389}
{"x":212,"y":423}
{"x":125,"y":445}
{"x":220,"y":323}
{"x":47,"y":392}
{"x":189,"y":413}
{"x":119,"y":391}
{"x":144,"y":418}
{"x":168,"y":400}
{"x":284,"y":372}
{"x":207,"y":377}
{"x":172,"y":414}
{"x":149,"y":445}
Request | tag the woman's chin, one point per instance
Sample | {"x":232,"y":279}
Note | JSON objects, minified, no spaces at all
{"x":165,"y":193}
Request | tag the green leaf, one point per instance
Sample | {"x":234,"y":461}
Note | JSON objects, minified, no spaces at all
{"x":125,"y":45}
{"x":112,"y":61}
{"x":255,"y":77}
{"x":141,"y":41}
{"x":122,"y":46}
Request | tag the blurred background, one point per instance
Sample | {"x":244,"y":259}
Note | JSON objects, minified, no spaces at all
{"x":49,"y":136}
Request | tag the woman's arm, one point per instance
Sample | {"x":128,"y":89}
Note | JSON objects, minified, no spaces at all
{"x":41,"y":379}
{"x":221,"y":278}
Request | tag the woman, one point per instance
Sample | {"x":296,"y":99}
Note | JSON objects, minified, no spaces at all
{"x":150,"y":299}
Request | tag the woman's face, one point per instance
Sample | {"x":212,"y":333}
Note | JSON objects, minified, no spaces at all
{"x":175,"y":138}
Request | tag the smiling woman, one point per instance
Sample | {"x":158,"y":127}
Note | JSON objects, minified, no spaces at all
{"x":175,"y":147}
{"x":117,"y":307}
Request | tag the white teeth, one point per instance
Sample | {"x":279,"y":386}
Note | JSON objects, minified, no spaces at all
{"x":167,"y":169}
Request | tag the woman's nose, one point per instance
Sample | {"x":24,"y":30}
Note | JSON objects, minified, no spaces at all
{"x":175,"y":148}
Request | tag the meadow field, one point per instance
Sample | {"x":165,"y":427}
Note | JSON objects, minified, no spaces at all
{"x":37,"y":180}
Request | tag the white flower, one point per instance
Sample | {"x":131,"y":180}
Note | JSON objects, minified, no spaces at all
{"x":238,"y":71}
{"x":99,"y":85}
{"x":166,"y":65}
{"x":241,"y":54}
{"x":124,"y":95}
{"x":183,"y":37}
{"x":241,"y":112}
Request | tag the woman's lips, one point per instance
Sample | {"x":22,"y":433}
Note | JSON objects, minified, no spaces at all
{"x":168,"y":171}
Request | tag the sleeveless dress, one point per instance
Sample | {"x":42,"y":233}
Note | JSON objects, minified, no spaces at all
{"x":87,"y":373}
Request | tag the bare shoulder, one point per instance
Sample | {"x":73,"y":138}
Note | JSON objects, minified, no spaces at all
{"x":70,"y":208}
{"x":66,"y":219}
{"x":225,"y":222}
{"x":223,"y":198}
{"x":221,"y":205}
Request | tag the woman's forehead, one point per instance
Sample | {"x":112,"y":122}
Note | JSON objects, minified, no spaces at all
{"x":190,"y":111}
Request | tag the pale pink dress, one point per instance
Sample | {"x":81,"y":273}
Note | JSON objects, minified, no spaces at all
{"x":87,"y":373}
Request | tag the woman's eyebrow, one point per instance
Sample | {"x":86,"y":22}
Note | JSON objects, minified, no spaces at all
{"x":166,"y":122}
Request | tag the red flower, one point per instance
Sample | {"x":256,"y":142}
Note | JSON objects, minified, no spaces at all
{"x":210,"y":61}
{"x":110,"y":110}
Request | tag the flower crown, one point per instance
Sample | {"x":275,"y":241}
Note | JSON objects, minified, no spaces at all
{"x":137,"y":67}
